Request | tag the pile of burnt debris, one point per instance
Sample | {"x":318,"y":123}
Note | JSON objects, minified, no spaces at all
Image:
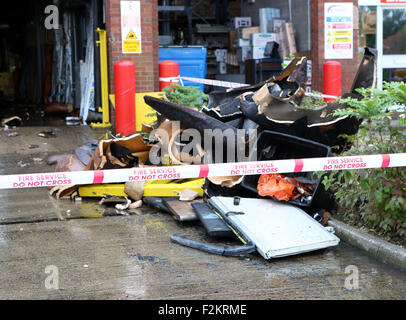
{"x":274,"y":214}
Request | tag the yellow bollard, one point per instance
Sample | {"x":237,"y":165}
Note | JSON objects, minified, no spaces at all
{"x":104,"y":79}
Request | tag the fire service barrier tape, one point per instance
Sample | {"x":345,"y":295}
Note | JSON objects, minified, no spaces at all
{"x":217,"y":83}
{"x":227,"y":84}
{"x":34,"y":180}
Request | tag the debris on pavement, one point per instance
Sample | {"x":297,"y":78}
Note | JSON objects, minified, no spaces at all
{"x":113,"y":201}
{"x":275,"y":214}
{"x":187,"y":195}
{"x":47,"y":134}
{"x":182,"y":211}
{"x":123,"y":206}
{"x":14,"y":121}
{"x":135,"y":205}
{"x":22,"y":164}
{"x":276,"y":229}
{"x":134,"y":189}
{"x":212,"y":222}
{"x":13,"y":134}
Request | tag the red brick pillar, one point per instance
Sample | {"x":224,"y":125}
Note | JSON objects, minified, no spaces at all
{"x":146,"y":63}
{"x":348,"y":66}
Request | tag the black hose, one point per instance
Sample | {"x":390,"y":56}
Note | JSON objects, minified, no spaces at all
{"x":233,"y":251}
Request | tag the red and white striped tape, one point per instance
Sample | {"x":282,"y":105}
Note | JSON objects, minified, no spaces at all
{"x":34,"y":180}
{"x":228,"y":84}
{"x":169,"y":79}
{"x":217,"y":83}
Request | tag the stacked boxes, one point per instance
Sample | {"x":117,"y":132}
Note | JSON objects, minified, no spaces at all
{"x":258,"y":43}
{"x":243,"y":43}
{"x":244,"y":33}
{"x":250,"y":42}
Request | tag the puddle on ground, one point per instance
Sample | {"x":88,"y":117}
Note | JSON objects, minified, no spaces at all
{"x":90,"y":208}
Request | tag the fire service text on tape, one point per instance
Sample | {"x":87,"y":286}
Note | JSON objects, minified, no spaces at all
{"x":35,"y":180}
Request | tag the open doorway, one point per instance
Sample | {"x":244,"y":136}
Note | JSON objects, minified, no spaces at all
{"x":48,"y":61}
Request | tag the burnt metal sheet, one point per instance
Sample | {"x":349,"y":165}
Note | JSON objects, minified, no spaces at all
{"x":276,"y":229}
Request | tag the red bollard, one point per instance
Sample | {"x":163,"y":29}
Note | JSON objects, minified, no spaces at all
{"x":332,"y":79}
{"x":124,"y":90}
{"x":168,"y":73}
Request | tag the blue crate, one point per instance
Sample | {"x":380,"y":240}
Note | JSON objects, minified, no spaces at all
{"x":191,"y":59}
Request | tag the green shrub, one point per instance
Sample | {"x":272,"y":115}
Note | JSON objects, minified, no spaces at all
{"x":374,"y":198}
{"x":188,"y":96}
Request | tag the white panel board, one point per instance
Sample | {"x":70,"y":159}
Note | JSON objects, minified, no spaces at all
{"x":277,"y":229}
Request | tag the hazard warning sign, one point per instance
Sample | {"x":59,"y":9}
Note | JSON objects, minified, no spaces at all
{"x":131,"y":36}
{"x":131,"y":26}
{"x":131,"y":46}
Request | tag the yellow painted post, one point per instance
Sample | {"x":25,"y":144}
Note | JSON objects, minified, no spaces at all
{"x":104,"y":77}
{"x":143,"y":112}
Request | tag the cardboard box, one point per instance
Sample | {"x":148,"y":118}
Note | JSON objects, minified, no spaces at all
{"x":242,"y":43}
{"x":290,"y":37}
{"x":243,"y":53}
{"x":241,"y":22}
{"x":283,"y":45}
{"x":257,"y":53}
{"x":260,"y":39}
{"x":277,"y":25}
{"x":244,"y":33}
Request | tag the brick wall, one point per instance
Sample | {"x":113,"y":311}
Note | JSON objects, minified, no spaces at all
{"x":146,"y":64}
{"x":348,"y":67}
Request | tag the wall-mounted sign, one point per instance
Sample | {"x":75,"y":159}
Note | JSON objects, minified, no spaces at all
{"x":338,"y":30}
{"x":131,"y":26}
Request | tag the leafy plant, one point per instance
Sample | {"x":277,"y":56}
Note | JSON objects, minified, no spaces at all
{"x":311,"y":102}
{"x":374,"y":198}
{"x":287,"y":60}
{"x":189,"y":96}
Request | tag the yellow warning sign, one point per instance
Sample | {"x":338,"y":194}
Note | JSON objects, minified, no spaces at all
{"x":340,"y":40}
{"x":131,"y":46}
{"x":342,"y":32}
{"x":131,"y":36}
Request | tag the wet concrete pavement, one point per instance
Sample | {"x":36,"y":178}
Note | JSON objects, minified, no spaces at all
{"x":102,"y":254}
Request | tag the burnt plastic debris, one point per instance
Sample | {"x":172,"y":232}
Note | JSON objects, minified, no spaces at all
{"x":189,"y":118}
{"x":158,"y":203}
{"x":272,"y":105}
{"x":214,"y":225}
{"x":232,"y":251}
{"x":123,"y":154}
{"x":366,"y":74}
{"x":278,"y":146}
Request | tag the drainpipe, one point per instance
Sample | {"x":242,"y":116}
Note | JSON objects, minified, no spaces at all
{"x":309,"y":26}
{"x":290,"y":10}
